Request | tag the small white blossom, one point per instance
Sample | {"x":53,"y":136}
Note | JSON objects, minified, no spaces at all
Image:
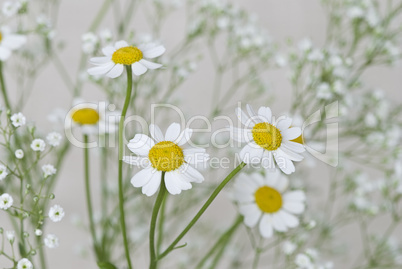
{"x":38,"y":232}
{"x":315,"y":56}
{"x":305,"y":44}
{"x":51,"y":241}
{"x":54,"y":139}
{"x":19,"y":154}
{"x":90,"y":40}
{"x":10,"y":9}
{"x":18,"y":119}
{"x":48,"y":170}
{"x":10,"y":235}
{"x":105,"y":35}
{"x":324,"y":91}
{"x":38,"y":145}
{"x":6,"y":201}
{"x":355,"y":12}
{"x":303,"y":261}
{"x":24,"y":264}
{"x":56,"y":213}
{"x":288,"y":247}
{"x":3,"y":172}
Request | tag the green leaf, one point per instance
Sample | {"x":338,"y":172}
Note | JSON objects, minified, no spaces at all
{"x":106,"y":265}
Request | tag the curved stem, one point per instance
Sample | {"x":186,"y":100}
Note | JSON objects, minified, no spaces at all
{"x":159,"y":200}
{"x":202,"y":210}
{"x":3,"y":87}
{"x":121,"y":193}
{"x":89,"y":198}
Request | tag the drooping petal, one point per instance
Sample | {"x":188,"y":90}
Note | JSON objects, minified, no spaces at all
{"x":99,"y":60}
{"x":108,"y":51}
{"x":294,"y":207}
{"x":289,"y":220}
{"x":285,"y":164}
{"x":4,"y":53}
{"x":153,"y":185}
{"x":283,"y":124}
{"x":291,"y":133}
{"x":251,"y":153}
{"x":296,"y":147}
{"x":192,"y":174}
{"x":116,"y":71}
{"x":150,"y":65}
{"x":265,"y":227}
{"x":101,"y":69}
{"x":171,"y":185}
{"x":13,"y":41}
{"x":142,"y":177}
{"x":172,"y":132}
{"x":278,"y":223}
{"x":138,"y":69}
{"x":156,"y":133}
{"x":289,"y":154}
{"x":294,"y":196}
{"x":141,"y":144}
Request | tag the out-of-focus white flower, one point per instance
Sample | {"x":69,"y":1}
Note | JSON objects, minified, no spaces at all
{"x":54,"y":139}
{"x":10,"y":8}
{"x":89,"y":42}
{"x":3,"y":172}
{"x":315,"y":56}
{"x":105,"y":35}
{"x":56,"y":213}
{"x":355,"y":12}
{"x":324,"y":91}
{"x":19,"y":154}
{"x":18,"y":119}
{"x":38,"y":145}
{"x":48,"y":170}
{"x":370,"y":120}
{"x":305,"y":44}
{"x":9,"y":42}
{"x":38,"y":232}
{"x":6,"y":201}
{"x":280,"y":61}
{"x":51,"y":241}
{"x":10,"y":235}
{"x":24,"y":264}
{"x":288,"y":247}
{"x":303,"y":261}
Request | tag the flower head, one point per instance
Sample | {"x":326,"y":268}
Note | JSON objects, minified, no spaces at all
{"x":268,"y":139}
{"x":122,"y":54}
{"x":56,"y":213}
{"x":51,"y":241}
{"x":18,"y":119}
{"x":54,"y":139}
{"x":3,"y":172}
{"x":10,"y":235}
{"x":38,"y":145}
{"x":9,"y":42}
{"x":48,"y":170}
{"x":165,"y":154}
{"x":6,"y":201}
{"x":24,"y":264}
{"x":19,"y":154}
{"x":265,"y":200}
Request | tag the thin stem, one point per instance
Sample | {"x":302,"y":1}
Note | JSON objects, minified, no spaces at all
{"x":159,"y":200}
{"x":121,"y":193}
{"x":89,"y":198}
{"x":202,"y":210}
{"x":160,"y":226}
{"x":3,"y":87}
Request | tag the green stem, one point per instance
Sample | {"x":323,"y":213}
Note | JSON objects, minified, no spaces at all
{"x":121,"y":193}
{"x":42,"y":258}
{"x":3,"y":87}
{"x":202,"y":210}
{"x":160,"y":226}
{"x":158,"y":203}
{"x":89,"y":199}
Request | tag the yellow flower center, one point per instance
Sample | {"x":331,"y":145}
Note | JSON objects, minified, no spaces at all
{"x":166,"y":156}
{"x":1,"y":36}
{"x":267,"y":136}
{"x":127,"y":55}
{"x":85,"y":116}
{"x":268,"y":199}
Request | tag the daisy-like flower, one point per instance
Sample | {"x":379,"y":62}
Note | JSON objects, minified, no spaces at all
{"x":9,"y":42}
{"x":164,"y":153}
{"x":48,"y":170}
{"x":122,"y":54}
{"x":265,"y":200}
{"x":51,"y":241}
{"x":268,"y":139}
{"x":18,"y":119}
{"x":56,"y":213}
{"x":6,"y":201}
{"x":38,"y":145}
{"x":92,"y":118}
{"x":24,"y":264}
{"x":19,"y":154}
{"x":54,"y":139}
{"x":3,"y":172}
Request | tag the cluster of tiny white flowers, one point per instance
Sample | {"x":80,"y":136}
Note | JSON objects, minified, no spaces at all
{"x":3,"y":172}
{"x":91,"y":41}
{"x":48,"y":170}
{"x":54,"y":139}
{"x":51,"y":241}
{"x":38,"y":145}
{"x":309,"y":260}
{"x":6,"y":201}
{"x":56,"y":213}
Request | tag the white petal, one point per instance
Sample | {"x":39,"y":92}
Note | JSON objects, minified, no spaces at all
{"x":142,"y":177}
{"x":196,"y":157}
{"x":278,"y":223}
{"x":99,"y":60}
{"x":289,"y":220}
{"x":267,"y":161}
{"x":4,"y":53}
{"x":289,"y":154}
{"x":102,"y":69}
{"x":13,"y":42}
{"x":108,"y":51}
{"x":192,"y":174}
{"x":291,"y":133}
{"x":251,"y":214}
{"x":116,"y":71}
{"x":153,"y":52}
{"x":265,"y":227}
{"x":257,"y":179}
{"x":252,"y":114}
{"x":294,"y":146}
{"x":243,"y":198}
{"x":285,"y":164}
{"x":242,"y":184}
{"x":172,"y":186}
{"x":294,"y":207}
{"x":141,"y":144}
{"x":265,"y":113}
{"x":156,"y":133}
{"x":294,"y":196}
{"x":138,"y":69}
{"x":251,"y":153}
{"x":240,"y":135}
{"x":284,"y":124}
{"x":137,"y":161}
{"x":184,"y":137}
{"x":150,"y":65}
{"x":172,"y":132}
{"x":153,"y":185}
{"x":120,"y":44}
{"x":281,"y":183}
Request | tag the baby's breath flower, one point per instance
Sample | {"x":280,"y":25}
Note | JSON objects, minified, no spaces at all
{"x":51,"y":241}
{"x":10,"y":235}
{"x":288,"y":247}
{"x":89,"y":42}
{"x":19,"y":154}
{"x":303,"y":261}
{"x":6,"y":201}
{"x":10,"y":8}
{"x":54,"y":139}
{"x":48,"y":170}
{"x":24,"y":264}
{"x":38,"y":145}
{"x":38,"y":232}
{"x":3,"y":172}
{"x":56,"y":213}
{"x":18,"y":119}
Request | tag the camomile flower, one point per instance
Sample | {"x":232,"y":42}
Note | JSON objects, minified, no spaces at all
{"x":92,"y":118}
{"x":165,"y":154}
{"x":264,"y":200}
{"x":268,"y":139}
{"x":9,"y":42}
{"x":6,"y":201}
{"x":56,"y":213}
{"x":24,"y":264}
{"x":122,"y":54}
